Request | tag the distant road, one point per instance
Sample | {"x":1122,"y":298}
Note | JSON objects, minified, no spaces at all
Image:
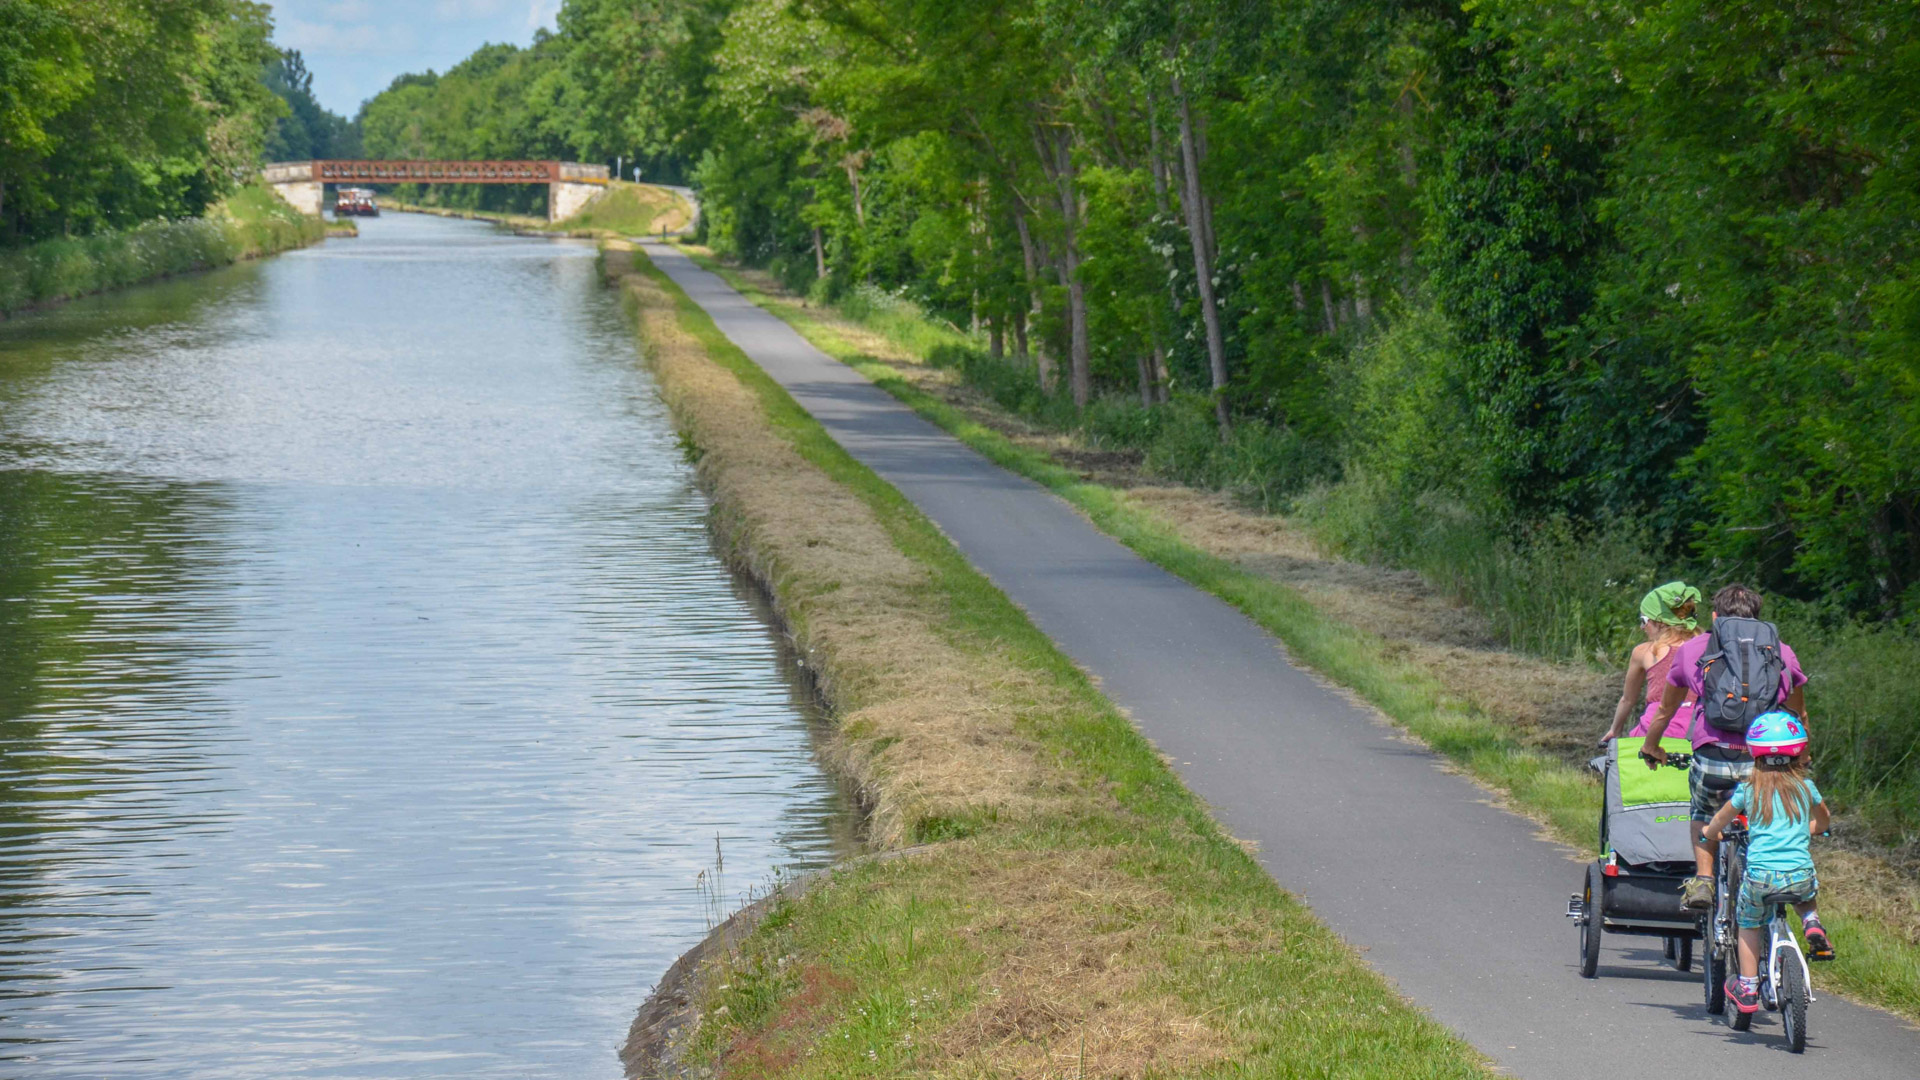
{"x":1457,"y":902}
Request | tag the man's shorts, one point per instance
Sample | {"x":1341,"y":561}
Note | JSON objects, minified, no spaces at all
{"x":1758,"y":883}
{"x":1716,"y":771}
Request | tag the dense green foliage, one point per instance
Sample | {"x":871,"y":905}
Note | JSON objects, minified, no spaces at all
{"x":1581,"y":262}
{"x":616,"y":81}
{"x":307,"y":130}
{"x":118,"y":112}
{"x":251,"y":222}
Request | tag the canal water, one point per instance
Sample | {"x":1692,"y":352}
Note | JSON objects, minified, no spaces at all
{"x":371,"y":701}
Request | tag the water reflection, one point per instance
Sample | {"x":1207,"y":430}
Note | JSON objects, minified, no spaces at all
{"x":369,"y":694}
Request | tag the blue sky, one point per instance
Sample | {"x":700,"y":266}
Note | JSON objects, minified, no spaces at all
{"x":355,"y":47}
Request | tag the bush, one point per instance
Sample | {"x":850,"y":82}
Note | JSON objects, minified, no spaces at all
{"x":1548,"y":588}
{"x":253,"y":222}
{"x":1863,"y":696}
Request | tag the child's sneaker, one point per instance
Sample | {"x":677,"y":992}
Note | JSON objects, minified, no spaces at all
{"x":1743,"y":994}
{"x":1697,"y":893}
{"x":1818,"y":947}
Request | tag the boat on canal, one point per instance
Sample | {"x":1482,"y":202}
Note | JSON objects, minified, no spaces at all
{"x":355,"y":202}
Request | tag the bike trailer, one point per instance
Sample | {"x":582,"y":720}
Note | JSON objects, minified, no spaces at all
{"x":1646,"y":854}
{"x":1645,"y":821}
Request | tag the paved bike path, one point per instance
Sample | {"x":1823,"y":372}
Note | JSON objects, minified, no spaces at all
{"x":1459,"y":903}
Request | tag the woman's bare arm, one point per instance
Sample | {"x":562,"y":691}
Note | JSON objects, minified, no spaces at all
{"x":1630,"y":693}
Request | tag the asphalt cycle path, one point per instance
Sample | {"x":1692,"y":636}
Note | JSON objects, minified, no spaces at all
{"x":1459,"y":903}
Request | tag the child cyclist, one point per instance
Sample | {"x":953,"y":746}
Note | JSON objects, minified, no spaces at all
{"x":1784,"y":809}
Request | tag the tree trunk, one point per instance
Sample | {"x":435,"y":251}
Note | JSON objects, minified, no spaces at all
{"x":819,"y":255}
{"x":852,"y":163}
{"x":1326,"y":308}
{"x":1027,"y":253}
{"x":1020,"y":336}
{"x":1157,"y":165}
{"x":1080,"y":351}
{"x":997,"y":336}
{"x":1156,"y":158}
{"x":1197,"y":233}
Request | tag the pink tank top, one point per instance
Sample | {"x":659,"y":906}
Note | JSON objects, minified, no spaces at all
{"x":1681,"y":724}
{"x":1657,"y":676}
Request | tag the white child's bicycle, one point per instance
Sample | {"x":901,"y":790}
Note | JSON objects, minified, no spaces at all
{"x":1785,"y":985}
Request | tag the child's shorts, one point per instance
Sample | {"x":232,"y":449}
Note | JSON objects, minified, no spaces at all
{"x":1758,"y":883}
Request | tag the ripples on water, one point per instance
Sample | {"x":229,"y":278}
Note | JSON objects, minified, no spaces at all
{"x":370,"y":697}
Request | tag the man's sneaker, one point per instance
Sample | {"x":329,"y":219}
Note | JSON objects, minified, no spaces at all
{"x":1697,"y":893}
{"x":1818,"y":947}
{"x":1741,"y":996}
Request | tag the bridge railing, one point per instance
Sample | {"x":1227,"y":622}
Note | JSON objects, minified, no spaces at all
{"x":433,"y":172}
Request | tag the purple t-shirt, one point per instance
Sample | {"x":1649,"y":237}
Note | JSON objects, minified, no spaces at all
{"x":1685,"y":674}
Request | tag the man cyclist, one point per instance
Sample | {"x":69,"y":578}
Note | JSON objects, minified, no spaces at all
{"x":1720,"y":758}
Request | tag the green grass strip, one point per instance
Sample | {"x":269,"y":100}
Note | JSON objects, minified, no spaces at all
{"x":1873,"y":966}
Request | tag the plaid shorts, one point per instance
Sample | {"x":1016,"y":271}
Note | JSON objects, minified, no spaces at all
{"x":1704,"y":801}
{"x":1758,"y":883}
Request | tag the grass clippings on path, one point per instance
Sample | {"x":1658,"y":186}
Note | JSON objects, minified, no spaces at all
{"x":1074,"y":910}
{"x":1519,"y":725}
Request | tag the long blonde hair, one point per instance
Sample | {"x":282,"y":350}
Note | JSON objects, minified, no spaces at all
{"x":1784,"y":786}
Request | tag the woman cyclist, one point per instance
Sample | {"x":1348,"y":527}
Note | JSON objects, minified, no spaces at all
{"x":1667,"y":619}
{"x":1784,"y":809}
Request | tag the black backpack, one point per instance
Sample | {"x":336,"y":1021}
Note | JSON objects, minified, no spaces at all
{"x":1740,"y":673}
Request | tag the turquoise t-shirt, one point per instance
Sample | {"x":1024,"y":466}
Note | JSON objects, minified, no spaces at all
{"x":1780,"y":844}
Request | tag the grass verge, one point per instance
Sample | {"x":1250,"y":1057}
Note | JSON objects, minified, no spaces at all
{"x":1075,"y":911}
{"x":1870,"y":911}
{"x":250,"y":223}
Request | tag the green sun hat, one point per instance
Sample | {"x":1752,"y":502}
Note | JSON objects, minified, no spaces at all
{"x":1673,"y":603}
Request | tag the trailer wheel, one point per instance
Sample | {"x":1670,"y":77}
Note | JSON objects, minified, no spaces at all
{"x":1590,"y":922}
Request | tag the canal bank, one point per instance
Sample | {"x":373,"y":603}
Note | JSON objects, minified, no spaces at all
{"x":1073,"y":909}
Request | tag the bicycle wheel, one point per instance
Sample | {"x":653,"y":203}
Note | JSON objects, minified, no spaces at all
{"x":1590,"y":923}
{"x":1682,"y":954}
{"x":1793,"y":1003}
{"x":1713,"y":960}
{"x":1741,"y":1021}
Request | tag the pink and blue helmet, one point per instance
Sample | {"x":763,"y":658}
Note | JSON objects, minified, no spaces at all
{"x":1777,"y":734}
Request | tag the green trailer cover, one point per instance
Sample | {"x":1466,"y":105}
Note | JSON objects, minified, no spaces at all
{"x":1646,"y":808}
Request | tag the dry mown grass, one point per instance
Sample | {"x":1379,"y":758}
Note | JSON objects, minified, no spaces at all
{"x":1075,"y":938}
{"x":925,"y":729}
